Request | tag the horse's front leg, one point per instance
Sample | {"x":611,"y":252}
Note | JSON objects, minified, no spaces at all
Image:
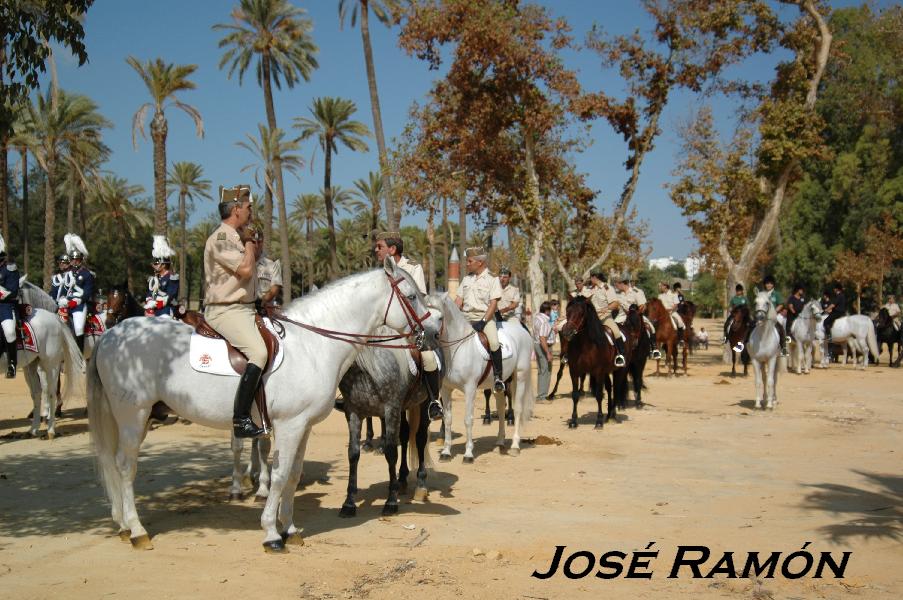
{"x":757,"y":371}
{"x":260,"y":454}
{"x":575,"y":397}
{"x":446,"y":453}
{"x":290,"y":534}
{"x":390,"y":449}
{"x":599,"y":391}
{"x":289,"y":435}
{"x":487,"y":416}
{"x":423,"y":431}
{"x":368,"y":443}
{"x":500,"y":403}
{"x":349,"y":508}
{"x":238,"y":473}
{"x":35,"y":387}
{"x":48,"y":391}
{"x":404,"y":437}
{"x":469,"y":397}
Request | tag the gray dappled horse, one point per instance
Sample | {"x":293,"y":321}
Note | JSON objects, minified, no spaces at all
{"x":765,"y":350}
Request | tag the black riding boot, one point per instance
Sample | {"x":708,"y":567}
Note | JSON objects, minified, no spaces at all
{"x":496,"y":356}
{"x":680,"y":335}
{"x":11,"y":356}
{"x":433,"y":387}
{"x":242,"y":425}
{"x":622,"y":352}
{"x":80,"y":342}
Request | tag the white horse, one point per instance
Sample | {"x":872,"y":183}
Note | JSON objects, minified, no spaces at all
{"x":803,"y":332}
{"x":764,"y":350}
{"x":57,"y":353}
{"x":145,"y":360}
{"x":466,"y":364}
{"x":857,"y":331}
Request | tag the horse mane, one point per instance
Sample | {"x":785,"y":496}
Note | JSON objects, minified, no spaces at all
{"x":32,"y":294}
{"x":743,"y":309}
{"x":634,"y":320}
{"x":591,"y":321}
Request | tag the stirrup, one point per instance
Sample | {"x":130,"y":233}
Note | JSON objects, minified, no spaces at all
{"x":656,"y":354}
{"x":11,"y":372}
{"x":739,"y":347}
{"x":619,"y":360}
{"x":244,"y":427}
{"x":499,"y":385}
{"x":788,"y":340}
{"x":435,"y":411}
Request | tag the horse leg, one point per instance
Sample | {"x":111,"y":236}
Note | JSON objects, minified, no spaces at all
{"x":487,"y":416}
{"x":598,"y":392}
{"x":771,"y":390}
{"x":290,"y":534}
{"x":48,"y":391}
{"x":469,"y":397}
{"x":237,"y":472}
{"x":391,"y":420}
{"x":130,"y":438}
{"x":518,"y":393}
{"x":575,"y":396}
{"x":557,"y":379}
{"x":500,"y":403}
{"x":404,"y":436}
{"x":446,"y":454}
{"x":349,"y":508}
{"x":35,"y":387}
{"x":288,"y":442}
{"x":379,"y":446}
{"x":261,"y":454}
{"x":423,"y":433}
{"x":757,"y":371}
{"x":368,"y":443}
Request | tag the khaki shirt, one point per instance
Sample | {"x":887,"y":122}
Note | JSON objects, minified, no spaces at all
{"x":893,"y":310}
{"x":415,"y":271}
{"x":477,"y":291}
{"x":631,"y":296}
{"x":586,"y":292}
{"x":601,"y":298}
{"x":223,"y":254}
{"x":669,"y":300}
{"x":269,"y":273}
{"x":510,"y":296}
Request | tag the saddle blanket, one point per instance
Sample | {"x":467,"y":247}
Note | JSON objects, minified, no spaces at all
{"x":95,"y":326}
{"x":207,"y":355}
{"x":505,"y":343}
{"x":28,"y":341}
{"x":412,"y":364}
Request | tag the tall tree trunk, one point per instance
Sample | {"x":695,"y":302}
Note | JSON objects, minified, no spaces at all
{"x":49,"y":221}
{"x":534,"y":265}
{"x":431,"y":236}
{"x":183,"y":246}
{"x":25,"y":222}
{"x":159,"y":130}
{"x":462,"y":225}
{"x":393,"y":212}
{"x":280,"y":188}
{"x":330,"y":218}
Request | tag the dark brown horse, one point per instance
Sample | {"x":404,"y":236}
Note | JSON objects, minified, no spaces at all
{"x":634,"y":330}
{"x":665,"y":336}
{"x":736,"y":333}
{"x":590,"y":353}
{"x":687,"y":312}
{"x":121,"y":304}
{"x":562,"y":364}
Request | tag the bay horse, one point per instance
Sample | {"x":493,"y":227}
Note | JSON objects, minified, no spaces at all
{"x":638,"y":345}
{"x":886,"y":334}
{"x":145,"y":360}
{"x":665,"y":336}
{"x":739,"y":332}
{"x":563,"y":362}
{"x":590,"y":353}
{"x":121,"y":305}
{"x":687,"y":312}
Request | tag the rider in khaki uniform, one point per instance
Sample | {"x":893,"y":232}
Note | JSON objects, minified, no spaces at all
{"x":629,"y":295}
{"x":269,"y":275}
{"x":670,"y":301}
{"x":478,"y":297}
{"x":604,"y":300}
{"x":510,"y":300}
{"x":230,"y":258}
{"x":389,"y":243}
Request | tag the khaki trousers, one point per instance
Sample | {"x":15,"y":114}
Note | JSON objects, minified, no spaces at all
{"x":492,"y":334}
{"x":428,"y":358}
{"x":235,"y":322}
{"x":607,"y":321}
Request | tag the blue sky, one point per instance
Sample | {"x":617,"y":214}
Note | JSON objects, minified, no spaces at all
{"x":180,"y":32}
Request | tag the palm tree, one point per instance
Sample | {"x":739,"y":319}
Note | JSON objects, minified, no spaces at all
{"x":163,"y":81}
{"x":197,"y":238}
{"x":54,"y":135}
{"x":76,"y":182}
{"x":188,"y":179}
{"x":279,"y":34}
{"x":267,"y":148}
{"x":343,"y":199}
{"x":115,"y":211}
{"x":332,"y":124}
{"x":383,"y":10}
{"x":371,"y":190}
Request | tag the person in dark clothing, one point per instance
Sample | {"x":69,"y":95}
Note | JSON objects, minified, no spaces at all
{"x":795,"y":304}
{"x":836,"y":309}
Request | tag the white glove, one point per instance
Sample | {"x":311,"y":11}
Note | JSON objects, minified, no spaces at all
{"x":62,"y":302}
{"x":150,"y":303}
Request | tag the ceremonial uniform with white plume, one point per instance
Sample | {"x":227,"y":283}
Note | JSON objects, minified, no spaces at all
{"x":9,"y":294}
{"x":81,"y":291}
{"x":163,"y":287}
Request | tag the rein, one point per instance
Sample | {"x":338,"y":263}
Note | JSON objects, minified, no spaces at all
{"x":375,"y":341}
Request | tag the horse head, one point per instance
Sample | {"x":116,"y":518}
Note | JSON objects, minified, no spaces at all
{"x":410,"y":313}
{"x":764,"y":308}
{"x":884,"y":319}
{"x":576,"y":315}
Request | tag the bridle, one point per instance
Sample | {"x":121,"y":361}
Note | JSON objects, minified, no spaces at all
{"x":415,"y":323}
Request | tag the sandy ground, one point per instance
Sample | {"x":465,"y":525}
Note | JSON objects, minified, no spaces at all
{"x":698,"y":466}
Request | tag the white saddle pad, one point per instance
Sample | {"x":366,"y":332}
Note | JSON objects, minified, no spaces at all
{"x":505,"y":343}
{"x":207,"y":355}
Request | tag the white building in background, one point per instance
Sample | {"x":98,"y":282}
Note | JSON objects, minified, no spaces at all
{"x":692,"y":264}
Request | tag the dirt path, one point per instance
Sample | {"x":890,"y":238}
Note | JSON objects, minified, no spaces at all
{"x":697,"y":467}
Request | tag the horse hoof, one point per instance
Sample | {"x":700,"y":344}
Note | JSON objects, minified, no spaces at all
{"x":445,"y":457}
{"x":468,"y":460}
{"x":142,"y":542}
{"x":421,"y":494}
{"x":125,"y":535}
{"x":390,"y":509}
{"x":402,"y":487}
{"x":292,"y":539}
{"x":274,"y":547}
{"x":487,"y":420}
{"x":367,"y":447}
{"x":51,"y":435}
{"x":599,"y":426}
{"x":347,"y":511}
{"x":235,"y":497}
{"x":509,"y":421}
{"x":572,"y":425}
{"x":513,"y":451}
{"x":640,"y":405}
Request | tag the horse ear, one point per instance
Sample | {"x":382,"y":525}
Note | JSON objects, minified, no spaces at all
{"x":756,"y":290}
{"x":389,"y":265}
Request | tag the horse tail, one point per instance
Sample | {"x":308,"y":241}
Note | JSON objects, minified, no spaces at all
{"x":104,"y":433}
{"x":872,"y":339}
{"x":73,"y":364}
{"x":413,"y":457}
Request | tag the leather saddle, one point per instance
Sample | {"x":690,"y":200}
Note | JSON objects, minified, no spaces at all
{"x":488,"y":368}
{"x":238,"y":360}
